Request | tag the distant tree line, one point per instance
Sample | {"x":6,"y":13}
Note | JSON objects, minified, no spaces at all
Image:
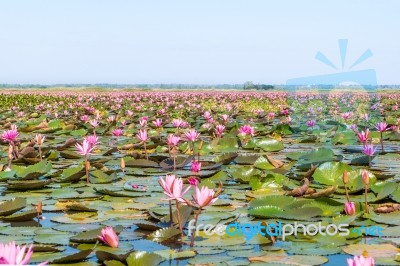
{"x":251,"y":86}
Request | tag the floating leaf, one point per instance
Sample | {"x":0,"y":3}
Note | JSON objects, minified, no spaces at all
{"x":32,"y":171}
{"x":21,"y":216}
{"x":375,"y":251}
{"x":269,"y":144}
{"x":27,"y":184}
{"x":140,"y":258}
{"x":91,"y":235}
{"x":76,"y":257}
{"x":11,"y":206}
{"x":72,"y":174}
{"x":330,"y":173}
{"x":163,"y":234}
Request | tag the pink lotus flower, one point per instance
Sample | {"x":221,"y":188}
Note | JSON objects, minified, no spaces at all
{"x":84,"y":118}
{"x":11,"y":254}
{"x":311,"y":123}
{"x":111,"y":119}
{"x":361,"y":261}
{"x":184,"y":124}
{"x":225,"y":118}
{"x":193,"y":181}
{"x":381,"y":126}
{"x":39,"y":139}
{"x":85,"y":149}
{"x":177,"y":122}
{"x":363,"y":136}
{"x":204,"y":197}
{"x":173,"y":140}
{"x":285,"y":112}
{"x":196,"y":166}
{"x":219,"y":130}
{"x":365,"y":117}
{"x":92,"y":140}
{"x":192,"y":135}
{"x":173,"y":187}
{"x":142,"y":135}
{"x":94,"y":123}
{"x":158,"y":123}
{"x":206,"y":126}
{"x":350,"y":208}
{"x":346,"y":115}
{"x":246,"y":130}
{"x":109,"y":237}
{"x":207,"y":115}
{"x":143,"y":121}
{"x":117,"y":132}
{"x":270,"y":115}
{"x":10,"y":135}
{"x":369,"y":149}
{"x":129,"y":113}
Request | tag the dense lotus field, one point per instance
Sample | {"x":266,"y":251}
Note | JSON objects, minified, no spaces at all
{"x":119,"y":178}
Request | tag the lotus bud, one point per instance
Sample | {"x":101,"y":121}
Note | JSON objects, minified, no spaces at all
{"x":345,"y":177}
{"x":39,"y":207}
{"x":122,"y":163}
{"x":10,"y":152}
{"x":365,"y":177}
{"x":200,"y":145}
{"x":350,"y":208}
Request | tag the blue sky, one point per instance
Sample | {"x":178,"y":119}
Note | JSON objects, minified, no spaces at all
{"x":186,"y":41}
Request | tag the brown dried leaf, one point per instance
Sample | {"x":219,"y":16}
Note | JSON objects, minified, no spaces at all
{"x":387,"y":207}
{"x":275,"y":163}
{"x":300,"y":191}
{"x":323,"y":193}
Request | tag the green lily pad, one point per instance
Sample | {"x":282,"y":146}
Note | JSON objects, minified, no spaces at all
{"x":244,"y":173}
{"x":72,"y":174}
{"x":99,"y":177}
{"x":163,"y":234}
{"x":375,"y":251}
{"x":76,"y":257}
{"x":140,"y":258}
{"x":269,"y":144}
{"x":27,"y":184}
{"x":21,"y":216}
{"x":32,"y":171}
{"x":11,"y":206}
{"x":70,"y":155}
{"x":330,"y":173}
{"x":91,"y":235}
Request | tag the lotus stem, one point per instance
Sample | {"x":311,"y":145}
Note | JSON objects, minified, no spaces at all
{"x":383,"y":151}
{"x":195,"y":225}
{"x":170,"y":213}
{"x":178,"y":214}
{"x":10,"y":155}
{"x":369,"y":161}
{"x":366,"y":200}
{"x":145,"y":150}
{"x":40,"y":152}
{"x":347,"y":193}
{"x":87,"y":166}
